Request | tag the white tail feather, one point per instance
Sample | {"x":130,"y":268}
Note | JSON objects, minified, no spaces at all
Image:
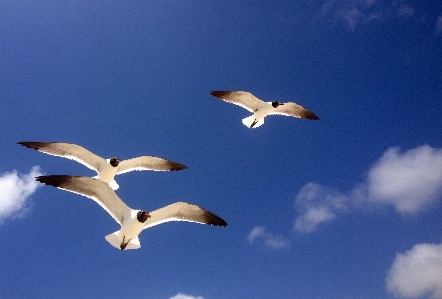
{"x":248,"y":121}
{"x":113,"y":239}
{"x":134,"y":243}
{"x":114,"y":185}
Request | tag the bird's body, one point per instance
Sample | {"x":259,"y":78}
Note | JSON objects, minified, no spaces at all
{"x":132,"y":221}
{"x":107,"y":174}
{"x":106,"y":169}
{"x":257,"y":119}
{"x":127,"y":236}
{"x":261,"y":109}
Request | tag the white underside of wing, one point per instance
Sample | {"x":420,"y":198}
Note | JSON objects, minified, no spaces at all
{"x":241,"y":105}
{"x":70,"y":157}
{"x":275,"y":112}
{"x":285,"y":114}
{"x":98,"y":201}
{"x":148,"y":163}
{"x":170,"y":219}
{"x":294,"y":110}
{"x":243,"y":99}
{"x":138,"y":168}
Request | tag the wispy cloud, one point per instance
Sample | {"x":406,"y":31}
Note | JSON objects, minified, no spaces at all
{"x":15,"y":190}
{"x":351,"y":13}
{"x":417,"y":272}
{"x":317,"y":204}
{"x":270,"y":240}
{"x":410,"y":182}
{"x":405,"y":11}
{"x":438,"y":29}
{"x":183,"y":296}
{"x":354,"y":13}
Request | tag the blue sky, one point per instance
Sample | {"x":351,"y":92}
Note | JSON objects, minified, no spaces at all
{"x":349,"y":206}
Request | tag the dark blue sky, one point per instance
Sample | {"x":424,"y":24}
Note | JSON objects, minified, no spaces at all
{"x":345,"y":207}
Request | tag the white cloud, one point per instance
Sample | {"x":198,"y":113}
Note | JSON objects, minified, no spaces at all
{"x":270,"y":240}
{"x":317,"y":204}
{"x":410,"y":182}
{"x":417,"y":272}
{"x":15,"y":191}
{"x":183,"y":296}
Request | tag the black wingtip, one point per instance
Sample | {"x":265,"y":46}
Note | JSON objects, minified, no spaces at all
{"x":181,"y":167}
{"x":33,"y":144}
{"x":313,"y":117}
{"x":223,"y":223}
{"x":174,"y":166}
{"x":53,"y":180}
{"x":218,"y":94}
{"x":215,"y":220}
{"x":307,"y":114}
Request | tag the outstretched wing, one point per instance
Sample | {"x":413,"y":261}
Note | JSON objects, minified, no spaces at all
{"x":69,"y":151}
{"x":95,"y":189}
{"x":241,"y":98}
{"x":182,"y":211}
{"x":148,"y":163}
{"x":296,"y":110}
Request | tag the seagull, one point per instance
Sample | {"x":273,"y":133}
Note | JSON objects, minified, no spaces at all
{"x":260,"y":108}
{"x":132,"y":221}
{"x":106,"y":168}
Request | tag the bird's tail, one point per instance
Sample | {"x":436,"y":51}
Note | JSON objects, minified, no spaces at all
{"x":113,"y":239}
{"x":250,"y":122}
{"x":134,"y":243}
{"x":113,"y":184}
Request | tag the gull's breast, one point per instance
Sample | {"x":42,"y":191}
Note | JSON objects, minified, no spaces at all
{"x":107,"y":174}
{"x":264,"y":111}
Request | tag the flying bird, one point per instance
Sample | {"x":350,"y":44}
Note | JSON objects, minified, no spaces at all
{"x":260,"y":108}
{"x":107,"y":169}
{"x":132,"y":221}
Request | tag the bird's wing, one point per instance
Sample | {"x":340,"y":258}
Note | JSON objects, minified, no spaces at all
{"x":95,"y":189}
{"x":241,"y":98}
{"x":69,"y":151}
{"x":148,"y":163}
{"x":293,"y":109}
{"x":181,"y":211}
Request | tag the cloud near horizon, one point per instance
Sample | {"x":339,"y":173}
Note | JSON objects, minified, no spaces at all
{"x":438,"y":29}
{"x":183,"y":296}
{"x":270,"y":240}
{"x":410,"y":182}
{"x":15,"y":190}
{"x":354,"y":13}
{"x":417,"y":272}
